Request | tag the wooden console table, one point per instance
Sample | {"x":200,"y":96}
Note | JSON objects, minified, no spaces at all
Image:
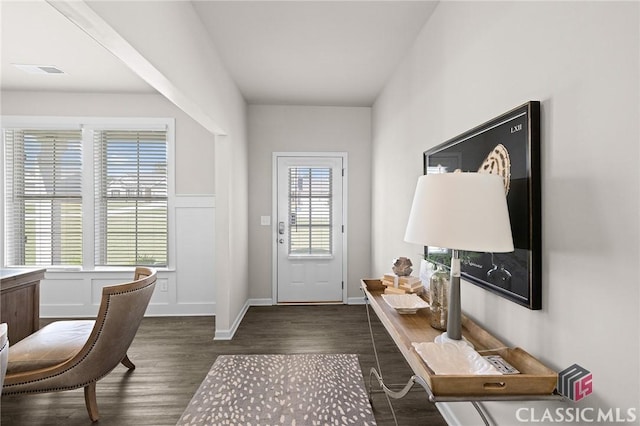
{"x":20,"y":301}
{"x":535,"y":381}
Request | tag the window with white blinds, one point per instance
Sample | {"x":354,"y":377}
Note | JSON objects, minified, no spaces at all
{"x":131,"y":197}
{"x":310,"y":211}
{"x":43,"y":197}
{"x":86,"y":192}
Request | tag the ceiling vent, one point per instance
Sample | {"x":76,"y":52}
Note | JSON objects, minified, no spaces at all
{"x":39,"y":69}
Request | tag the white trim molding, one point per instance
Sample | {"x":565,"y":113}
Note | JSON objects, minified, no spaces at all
{"x":183,"y":290}
{"x":228,"y":334}
{"x":357,"y":300}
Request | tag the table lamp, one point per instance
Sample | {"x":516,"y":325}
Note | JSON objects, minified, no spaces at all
{"x":460,"y":211}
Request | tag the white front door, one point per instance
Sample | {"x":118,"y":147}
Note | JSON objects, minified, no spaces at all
{"x":309,"y":229}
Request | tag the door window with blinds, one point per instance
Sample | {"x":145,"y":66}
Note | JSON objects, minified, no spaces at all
{"x":310,"y":211}
{"x":120,"y":174}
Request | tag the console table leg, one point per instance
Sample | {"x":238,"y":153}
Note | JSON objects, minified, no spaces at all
{"x":401,"y":393}
{"x":481,"y":412}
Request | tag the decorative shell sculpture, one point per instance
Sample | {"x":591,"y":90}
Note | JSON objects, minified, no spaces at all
{"x":402,"y":266}
{"x":498,"y":163}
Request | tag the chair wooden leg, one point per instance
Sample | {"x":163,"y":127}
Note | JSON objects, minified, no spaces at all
{"x":91,"y":402}
{"x":127,"y":362}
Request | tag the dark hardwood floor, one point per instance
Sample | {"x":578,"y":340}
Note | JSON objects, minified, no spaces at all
{"x":173,"y":355}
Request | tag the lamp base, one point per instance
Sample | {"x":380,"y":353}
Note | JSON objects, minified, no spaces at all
{"x":444,"y":338}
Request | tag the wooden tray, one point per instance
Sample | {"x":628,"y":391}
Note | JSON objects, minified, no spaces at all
{"x":534,"y":377}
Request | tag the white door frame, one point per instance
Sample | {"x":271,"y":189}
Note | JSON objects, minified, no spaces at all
{"x":274,"y":215}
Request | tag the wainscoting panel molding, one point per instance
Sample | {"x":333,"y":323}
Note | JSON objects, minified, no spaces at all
{"x":186,"y":288}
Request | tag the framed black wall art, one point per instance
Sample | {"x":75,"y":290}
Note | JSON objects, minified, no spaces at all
{"x":508,"y":145}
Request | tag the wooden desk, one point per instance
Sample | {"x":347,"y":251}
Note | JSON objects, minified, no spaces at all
{"x":20,"y":301}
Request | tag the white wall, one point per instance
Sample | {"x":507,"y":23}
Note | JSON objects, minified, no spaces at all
{"x":190,"y":288}
{"x":174,"y":40}
{"x":476,"y":60}
{"x":309,"y":129}
{"x":194,"y":144}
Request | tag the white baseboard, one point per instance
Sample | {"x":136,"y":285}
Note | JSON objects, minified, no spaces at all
{"x":182,"y":309}
{"x":261,"y":302}
{"x":460,"y":413}
{"x":228,"y":334}
{"x":356,"y":300}
{"x":154,"y":310}
{"x":447,"y":414}
{"x":162,"y":309}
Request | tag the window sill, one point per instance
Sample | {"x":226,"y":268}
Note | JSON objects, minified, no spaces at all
{"x":99,"y":270}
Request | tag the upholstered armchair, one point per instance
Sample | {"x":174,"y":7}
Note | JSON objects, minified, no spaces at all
{"x":68,"y":355}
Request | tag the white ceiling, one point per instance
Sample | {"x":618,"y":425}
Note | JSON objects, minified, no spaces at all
{"x":33,"y":32}
{"x":324,"y":52}
{"x":278,"y":52}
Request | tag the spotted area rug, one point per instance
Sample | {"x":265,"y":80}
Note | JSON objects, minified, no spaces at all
{"x":304,"y":389}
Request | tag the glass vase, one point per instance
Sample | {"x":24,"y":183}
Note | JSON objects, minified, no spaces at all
{"x":439,"y":290}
